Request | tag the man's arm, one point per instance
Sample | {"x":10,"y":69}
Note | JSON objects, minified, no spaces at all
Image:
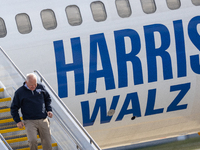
{"x":15,"y":105}
{"x":47,"y":100}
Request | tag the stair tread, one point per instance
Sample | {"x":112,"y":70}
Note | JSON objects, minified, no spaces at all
{"x":5,"y":124}
{"x":26,"y":146}
{"x":1,"y":89}
{"x":7,"y":120}
{"x":6,"y":117}
{"x":14,"y":136}
{"x":5,"y":99}
{"x":8,"y":126}
{"x":11,"y":130}
{"x":16,"y":140}
{"x":3,"y":107}
{"x":22,"y":146}
{"x":19,"y":139}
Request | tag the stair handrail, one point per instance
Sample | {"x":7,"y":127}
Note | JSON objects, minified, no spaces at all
{"x":13,"y":63}
{"x":65,"y":127}
{"x":5,"y":142}
{"x":67,"y":109}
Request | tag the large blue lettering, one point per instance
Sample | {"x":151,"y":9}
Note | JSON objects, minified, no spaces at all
{"x":98,"y":40}
{"x":152,"y":51}
{"x":62,"y":68}
{"x":135,"y":111}
{"x":135,"y":103}
{"x":180,"y":48}
{"x":184,"y":88}
{"x":150,"y":104}
{"x":100,"y":104}
{"x":123,"y":57}
{"x":195,"y":38}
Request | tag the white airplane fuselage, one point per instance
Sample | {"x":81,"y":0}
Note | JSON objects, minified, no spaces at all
{"x":144,"y":65}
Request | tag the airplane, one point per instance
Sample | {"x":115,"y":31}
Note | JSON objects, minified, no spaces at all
{"x":129,"y":70}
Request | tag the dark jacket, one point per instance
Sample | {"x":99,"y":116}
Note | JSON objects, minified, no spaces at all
{"x":34,"y":104}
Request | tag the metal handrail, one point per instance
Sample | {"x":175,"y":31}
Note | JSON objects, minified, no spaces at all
{"x":66,"y":108}
{"x":65,"y":127}
{"x":12,"y":63}
{"x":7,"y":145}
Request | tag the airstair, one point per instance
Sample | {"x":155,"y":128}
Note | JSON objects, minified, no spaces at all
{"x":66,"y":131}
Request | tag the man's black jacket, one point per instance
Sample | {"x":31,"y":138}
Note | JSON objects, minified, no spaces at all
{"x":34,"y":104}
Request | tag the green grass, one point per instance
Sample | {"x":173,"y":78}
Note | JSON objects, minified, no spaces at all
{"x":188,"y":144}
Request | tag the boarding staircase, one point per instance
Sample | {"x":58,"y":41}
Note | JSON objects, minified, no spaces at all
{"x":66,"y":131}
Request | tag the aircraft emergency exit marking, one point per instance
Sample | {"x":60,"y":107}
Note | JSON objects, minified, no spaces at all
{"x":98,"y":42}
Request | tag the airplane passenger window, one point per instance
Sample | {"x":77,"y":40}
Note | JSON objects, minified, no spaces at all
{"x":48,"y":19}
{"x":23,"y":23}
{"x":148,"y":6}
{"x":196,"y":2}
{"x":173,"y":4}
{"x":123,"y":8}
{"x":3,"y":30}
{"x":73,"y":15}
{"x":98,"y":11}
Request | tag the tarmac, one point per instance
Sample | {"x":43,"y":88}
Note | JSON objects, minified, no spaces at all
{"x":150,"y":144}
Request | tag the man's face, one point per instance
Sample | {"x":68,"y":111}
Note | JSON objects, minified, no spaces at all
{"x":32,"y":84}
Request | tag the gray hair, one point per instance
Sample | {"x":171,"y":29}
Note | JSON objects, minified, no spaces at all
{"x":30,"y":75}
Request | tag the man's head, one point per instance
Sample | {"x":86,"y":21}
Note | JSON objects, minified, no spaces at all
{"x":31,"y":81}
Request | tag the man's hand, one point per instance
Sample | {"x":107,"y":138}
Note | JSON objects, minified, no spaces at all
{"x":50,"y":114}
{"x":20,"y":125}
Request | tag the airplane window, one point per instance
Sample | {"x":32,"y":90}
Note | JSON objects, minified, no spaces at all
{"x":48,"y":19}
{"x":23,"y":23}
{"x":3,"y":30}
{"x":196,"y":2}
{"x":148,"y":6}
{"x":123,"y":8}
{"x":98,"y":11}
{"x":173,"y":4}
{"x":73,"y":15}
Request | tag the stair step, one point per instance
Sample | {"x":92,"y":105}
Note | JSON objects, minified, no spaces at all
{"x":6,"y":120}
{"x":4,"y":109}
{"x":19,"y":138}
{"x":8,"y":126}
{"x":11,"y":130}
{"x":5,"y":99}
{"x":26,"y":147}
{"x":23,"y":147}
{"x":5,"y":117}
{"x":14,"y":136}
{"x":1,"y":89}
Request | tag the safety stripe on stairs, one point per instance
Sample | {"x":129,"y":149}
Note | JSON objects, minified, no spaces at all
{"x":39,"y":147}
{"x":19,"y":139}
{"x":11,"y":130}
{"x":8,"y":120}
{"x":4,"y":110}
{"x":1,"y":89}
{"x":5,"y":99}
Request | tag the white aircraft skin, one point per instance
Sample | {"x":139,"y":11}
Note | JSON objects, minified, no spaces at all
{"x":159,"y":51}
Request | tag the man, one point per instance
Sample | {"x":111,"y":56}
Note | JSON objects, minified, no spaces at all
{"x":34,"y":102}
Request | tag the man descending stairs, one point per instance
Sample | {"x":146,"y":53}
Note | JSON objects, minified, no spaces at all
{"x":15,"y":137}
